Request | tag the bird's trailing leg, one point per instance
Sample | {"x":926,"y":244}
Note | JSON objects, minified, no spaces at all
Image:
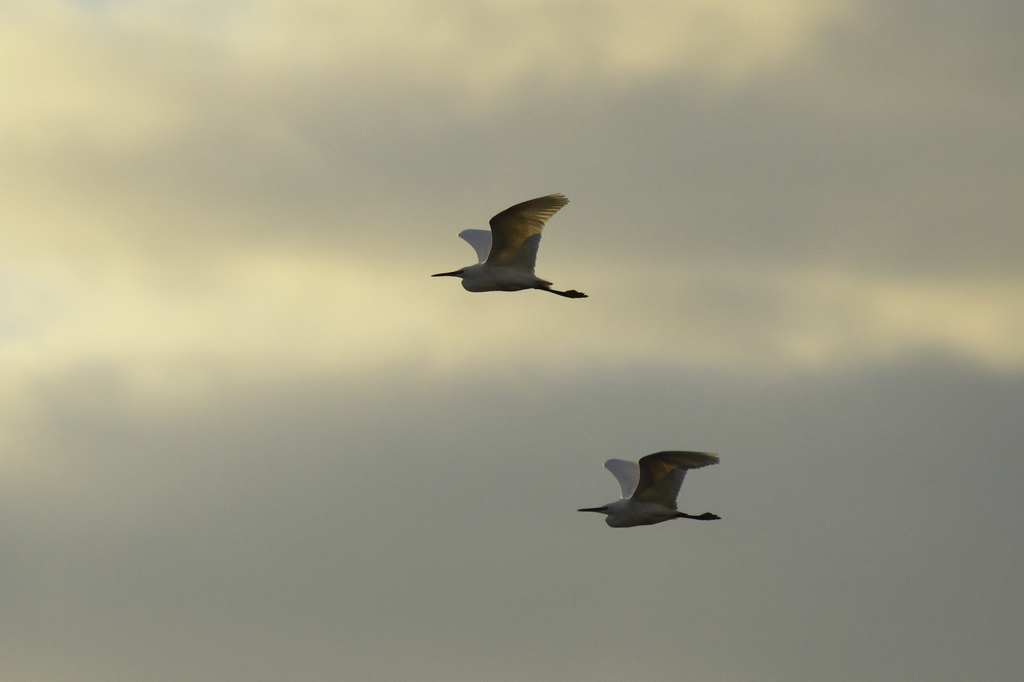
{"x":706,"y":516}
{"x":571,"y":293}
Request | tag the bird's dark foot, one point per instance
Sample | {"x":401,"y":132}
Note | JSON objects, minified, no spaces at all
{"x":706,"y":516}
{"x":572,"y":293}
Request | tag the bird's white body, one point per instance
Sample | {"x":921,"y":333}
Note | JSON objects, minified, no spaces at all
{"x":650,"y":487}
{"x":484,"y":277}
{"x":508,"y":252}
{"x":626,"y":513}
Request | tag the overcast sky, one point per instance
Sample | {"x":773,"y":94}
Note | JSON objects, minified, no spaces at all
{"x":244,"y":436}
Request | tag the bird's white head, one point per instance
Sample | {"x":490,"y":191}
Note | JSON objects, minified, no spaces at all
{"x":617,"y":514}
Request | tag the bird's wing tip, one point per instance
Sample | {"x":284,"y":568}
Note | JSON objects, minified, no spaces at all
{"x":688,"y":458}
{"x":480,"y":240}
{"x":627,"y":473}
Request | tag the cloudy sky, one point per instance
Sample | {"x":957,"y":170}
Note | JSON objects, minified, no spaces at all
{"x":244,"y":436}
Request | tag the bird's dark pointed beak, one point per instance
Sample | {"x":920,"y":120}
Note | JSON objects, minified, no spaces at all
{"x":447,"y":274}
{"x":593,"y":509}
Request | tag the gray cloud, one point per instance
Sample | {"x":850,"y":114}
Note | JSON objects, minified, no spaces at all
{"x":432,"y":534}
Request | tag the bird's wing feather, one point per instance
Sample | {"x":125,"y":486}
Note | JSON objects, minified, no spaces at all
{"x":480,"y":240}
{"x":515,"y":232}
{"x":626,"y":473}
{"x":662,"y":473}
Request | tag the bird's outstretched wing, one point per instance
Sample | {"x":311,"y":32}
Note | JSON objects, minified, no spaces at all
{"x":480,"y":240}
{"x":626,"y":473}
{"x":662,"y":473}
{"x":515,"y":232}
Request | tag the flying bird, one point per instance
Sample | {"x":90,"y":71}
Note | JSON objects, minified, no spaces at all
{"x":508,"y":252}
{"x":649,"y":488}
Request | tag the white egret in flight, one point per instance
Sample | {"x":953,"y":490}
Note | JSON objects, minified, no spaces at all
{"x":508,"y":252}
{"x":650,"y":487}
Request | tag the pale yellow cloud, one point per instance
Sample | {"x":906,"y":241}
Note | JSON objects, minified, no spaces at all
{"x":492,"y":49}
{"x":130,"y":73}
{"x":287,"y":313}
{"x":67,"y":79}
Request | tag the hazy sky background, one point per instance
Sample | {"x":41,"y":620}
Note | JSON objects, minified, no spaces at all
{"x":244,"y":436}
